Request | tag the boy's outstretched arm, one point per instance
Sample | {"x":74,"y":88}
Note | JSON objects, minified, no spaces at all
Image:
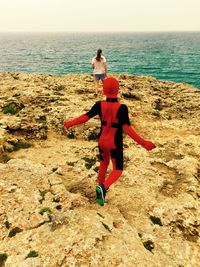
{"x":76,"y":121}
{"x":95,"y":110}
{"x":148,"y":145}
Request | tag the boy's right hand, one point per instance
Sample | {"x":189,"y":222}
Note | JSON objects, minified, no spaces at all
{"x":148,"y":145}
{"x":67,"y":125}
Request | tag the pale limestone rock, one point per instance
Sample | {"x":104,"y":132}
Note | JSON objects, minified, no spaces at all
{"x":47,"y":192}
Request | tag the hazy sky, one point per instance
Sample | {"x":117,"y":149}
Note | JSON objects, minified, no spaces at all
{"x":101,"y":15}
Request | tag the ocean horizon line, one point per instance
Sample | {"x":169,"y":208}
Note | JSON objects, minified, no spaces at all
{"x":97,"y":32}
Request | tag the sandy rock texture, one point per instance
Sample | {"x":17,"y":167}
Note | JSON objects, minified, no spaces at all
{"x":48,"y":214}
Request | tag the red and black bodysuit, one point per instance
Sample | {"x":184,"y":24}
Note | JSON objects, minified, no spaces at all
{"x":114,"y":118}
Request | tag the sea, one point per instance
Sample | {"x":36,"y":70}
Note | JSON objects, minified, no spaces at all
{"x":171,"y":56}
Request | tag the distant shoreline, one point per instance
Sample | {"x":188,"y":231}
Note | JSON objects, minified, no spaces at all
{"x":117,"y":75}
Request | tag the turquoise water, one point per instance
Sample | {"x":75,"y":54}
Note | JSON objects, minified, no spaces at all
{"x":167,"y":56}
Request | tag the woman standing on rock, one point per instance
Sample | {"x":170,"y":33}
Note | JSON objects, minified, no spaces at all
{"x":99,"y":69}
{"x":114,"y":119}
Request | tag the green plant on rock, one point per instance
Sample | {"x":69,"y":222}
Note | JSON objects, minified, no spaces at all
{"x":42,"y":118}
{"x":4,"y":158}
{"x":32,"y":254}
{"x":148,"y":244}
{"x":93,"y":136}
{"x":7,"y":224}
{"x":70,"y":135}
{"x":89,"y":162}
{"x":54,"y":99}
{"x":59,"y":87}
{"x":22,"y":145}
{"x":3,"y":258}
{"x":14,"y":231}
{"x":42,"y":194}
{"x":43,"y":210}
{"x":156,"y":113}
{"x":158,"y":104}
{"x":16,"y":95}
{"x":71,"y":164}
{"x":155,"y":220}
{"x":18,"y":146}
{"x":11,"y":109}
{"x":96,"y":169}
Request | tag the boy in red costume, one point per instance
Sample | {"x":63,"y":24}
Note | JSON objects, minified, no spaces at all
{"x":114,"y":117}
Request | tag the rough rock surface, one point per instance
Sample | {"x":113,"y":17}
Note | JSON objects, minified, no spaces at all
{"x":48,"y":214}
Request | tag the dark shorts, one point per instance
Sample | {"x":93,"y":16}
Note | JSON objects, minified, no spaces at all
{"x":116,"y":154}
{"x":99,"y":77}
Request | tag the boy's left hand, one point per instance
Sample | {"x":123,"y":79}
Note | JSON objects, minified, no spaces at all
{"x":149,"y":145}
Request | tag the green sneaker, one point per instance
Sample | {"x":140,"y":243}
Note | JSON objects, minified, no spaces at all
{"x":100,"y":194}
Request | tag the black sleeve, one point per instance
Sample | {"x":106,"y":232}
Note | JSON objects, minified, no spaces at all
{"x":123,"y":115}
{"x":95,"y":110}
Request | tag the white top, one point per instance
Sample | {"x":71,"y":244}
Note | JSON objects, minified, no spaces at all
{"x":99,"y":66}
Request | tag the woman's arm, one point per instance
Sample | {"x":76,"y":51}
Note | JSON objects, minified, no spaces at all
{"x":105,"y":67}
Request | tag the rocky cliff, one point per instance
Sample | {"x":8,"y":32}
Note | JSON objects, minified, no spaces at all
{"x":48,"y":214}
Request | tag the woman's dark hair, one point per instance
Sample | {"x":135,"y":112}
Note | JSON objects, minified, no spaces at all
{"x":98,"y":57}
